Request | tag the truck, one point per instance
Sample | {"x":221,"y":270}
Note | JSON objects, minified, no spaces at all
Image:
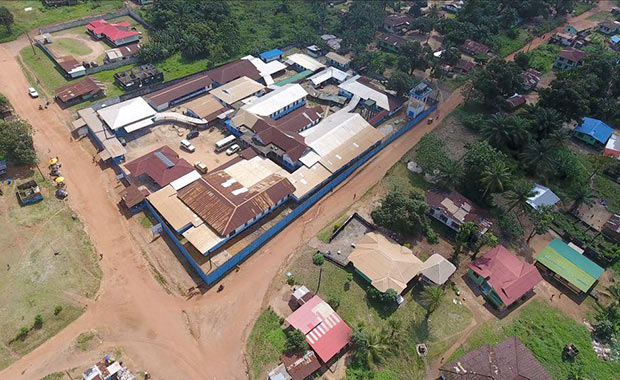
{"x":225,"y":143}
{"x":29,"y":193}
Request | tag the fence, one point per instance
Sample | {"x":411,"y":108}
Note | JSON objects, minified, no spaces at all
{"x":88,"y":20}
{"x":113,"y":65}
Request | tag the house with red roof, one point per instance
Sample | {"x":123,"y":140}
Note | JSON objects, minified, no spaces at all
{"x":162,"y":166}
{"x":502,"y":277}
{"x":326,"y":333}
{"x":117,"y":34}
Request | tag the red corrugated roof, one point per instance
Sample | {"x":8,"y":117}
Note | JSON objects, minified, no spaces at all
{"x":151,"y":165}
{"x":114,"y":32}
{"x":506,"y":273}
{"x":325,"y":331}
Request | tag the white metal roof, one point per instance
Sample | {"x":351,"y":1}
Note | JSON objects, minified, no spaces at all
{"x":327,"y":74}
{"x":125,"y":113}
{"x":276,"y":100}
{"x":138,"y":125}
{"x":304,"y":61}
{"x":543,"y":196}
{"x":185,"y":180}
{"x":236,"y":90}
{"x":266,"y":68}
{"x":365,"y":92}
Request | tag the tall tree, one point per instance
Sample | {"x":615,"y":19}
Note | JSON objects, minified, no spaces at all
{"x":488,"y":239}
{"x":400,"y":82}
{"x":467,"y":236}
{"x":545,"y":121}
{"x":432,"y":297}
{"x":416,"y":57}
{"x":581,"y":193}
{"x":6,"y":18}
{"x":538,"y":155}
{"x":495,"y":178}
{"x":518,"y":195}
{"x":450,"y":174}
{"x":541,"y":219}
{"x":402,"y":213}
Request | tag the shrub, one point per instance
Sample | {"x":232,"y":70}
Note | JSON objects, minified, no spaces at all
{"x":318,"y":259}
{"x":296,"y":341}
{"x":407,"y":245}
{"x":387,"y":298}
{"x":431,"y":236}
{"x":22,"y":334}
{"x":349,"y":277}
{"x":57,"y":309}
{"x":38,"y":321}
{"x":334,"y":301}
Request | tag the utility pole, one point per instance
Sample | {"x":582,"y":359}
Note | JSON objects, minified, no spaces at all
{"x":320,"y":274}
{"x":31,"y":45}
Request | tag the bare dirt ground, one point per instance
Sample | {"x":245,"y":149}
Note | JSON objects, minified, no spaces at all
{"x":97,"y":48}
{"x":201,"y":338}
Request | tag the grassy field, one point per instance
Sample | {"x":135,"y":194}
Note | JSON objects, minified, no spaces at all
{"x":265,"y":343}
{"x":543,"y":57}
{"x":177,"y":67}
{"x":72,"y":46}
{"x":439,"y":332}
{"x":47,"y":260}
{"x":49,"y":78}
{"x":545,"y":331}
{"x":506,"y":45}
{"x":40,"y":15}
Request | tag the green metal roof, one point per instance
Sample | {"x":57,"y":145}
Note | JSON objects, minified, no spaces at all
{"x":570,"y":264}
{"x":294,"y":78}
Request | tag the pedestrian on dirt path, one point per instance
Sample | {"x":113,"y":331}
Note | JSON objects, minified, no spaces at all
{"x":553,"y":295}
{"x":101,"y":256}
{"x":354,"y":195}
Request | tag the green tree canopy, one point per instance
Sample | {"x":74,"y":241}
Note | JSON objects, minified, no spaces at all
{"x":6,"y":18}
{"x":401,"y":83}
{"x":296,"y":341}
{"x":16,"y":142}
{"x":402,"y":213}
{"x":430,"y":153}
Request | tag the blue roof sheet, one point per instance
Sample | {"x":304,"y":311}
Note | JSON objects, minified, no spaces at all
{"x":271,"y":54}
{"x":615,"y":39}
{"x":2,"y":165}
{"x":596,"y":129}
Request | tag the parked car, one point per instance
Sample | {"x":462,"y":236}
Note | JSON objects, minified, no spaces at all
{"x":123,"y":141}
{"x":192,"y":135}
{"x":187,"y":146}
{"x":232,"y":150}
{"x":33,"y":93}
{"x":201,"y":167}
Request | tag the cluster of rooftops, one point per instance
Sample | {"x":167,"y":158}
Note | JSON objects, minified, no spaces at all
{"x":289,"y":148}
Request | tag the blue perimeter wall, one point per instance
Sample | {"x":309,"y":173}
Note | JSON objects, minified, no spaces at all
{"x":234,"y":261}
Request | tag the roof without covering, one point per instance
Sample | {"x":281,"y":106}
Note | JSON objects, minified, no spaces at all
{"x":86,"y":86}
{"x":228,"y":198}
{"x":179,"y":90}
{"x":276,"y":100}
{"x":574,"y":267}
{"x":437,"y":269}
{"x":595,"y":128}
{"x":508,"y":360}
{"x":304,"y":61}
{"x":237,"y":90}
{"x":124,"y":113}
{"x":325,"y":331}
{"x":543,"y":196}
{"x":508,"y":275}
{"x":163,"y":165}
{"x":233,"y":70}
{"x":386,"y":264}
{"x":572,"y":54}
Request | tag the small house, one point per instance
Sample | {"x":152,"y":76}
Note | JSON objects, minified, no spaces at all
{"x":614,"y":41}
{"x":593,"y":132}
{"x":515,"y":101}
{"x":612,"y":148}
{"x":569,"y":59}
{"x":569,"y":267}
{"x":80,"y":91}
{"x":71,"y":67}
{"x":464,"y":66}
{"x":451,"y":8}
{"x":474,"y":48}
{"x":507,"y":360}
{"x":397,"y":23}
{"x":301,"y":366}
{"x":29,"y":193}
{"x":338,"y":61}
{"x":436,"y":270}
{"x":564,"y":39}
{"x":133,"y":198}
{"x":577,"y":30}
{"x":543,"y":196}
{"x":121,"y":53}
{"x":303,"y":62}
{"x":609,"y":27}
{"x":611,"y":228}
{"x":531,"y":77}
{"x":502,"y":277}
{"x":453,"y":209}
{"x":390,"y":42}
{"x":314,"y":51}
{"x":271,"y":55}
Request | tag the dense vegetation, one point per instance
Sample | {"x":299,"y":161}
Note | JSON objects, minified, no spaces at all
{"x":16,"y":142}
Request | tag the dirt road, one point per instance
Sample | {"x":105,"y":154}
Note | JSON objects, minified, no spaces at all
{"x":202,"y":338}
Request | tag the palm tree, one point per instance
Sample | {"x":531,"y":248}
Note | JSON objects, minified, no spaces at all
{"x":518,"y":194}
{"x":538,"y":155}
{"x":432,"y":296}
{"x":545,"y":121}
{"x":517,"y":132}
{"x":495,"y":177}
{"x":496,"y":130}
{"x":581,"y":193}
{"x":558,"y":137}
{"x":450,"y":174}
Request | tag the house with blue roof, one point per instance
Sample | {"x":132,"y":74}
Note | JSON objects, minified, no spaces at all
{"x":615,"y":41}
{"x":271,"y":55}
{"x":593,"y":132}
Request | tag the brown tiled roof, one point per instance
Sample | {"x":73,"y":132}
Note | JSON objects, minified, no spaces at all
{"x":572,"y":54}
{"x":298,"y":120}
{"x":293,"y":147}
{"x":178,"y":90}
{"x":225,"y":206}
{"x":158,"y":169}
{"x":516,"y":101}
{"x":475,"y":47}
{"x":133,"y":195}
{"x":396,"y":19}
{"x":391,"y":39}
{"x":301,"y":366}
{"x":68,"y":63}
{"x":464,"y":65}
{"x":86,"y":86}
{"x":234,"y":70}
{"x":508,"y":360}
{"x":128,"y":50}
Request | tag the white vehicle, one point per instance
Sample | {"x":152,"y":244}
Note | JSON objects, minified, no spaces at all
{"x":224,"y":143}
{"x":33,"y":93}
{"x":187,"y":146}
{"x":232,"y":150}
